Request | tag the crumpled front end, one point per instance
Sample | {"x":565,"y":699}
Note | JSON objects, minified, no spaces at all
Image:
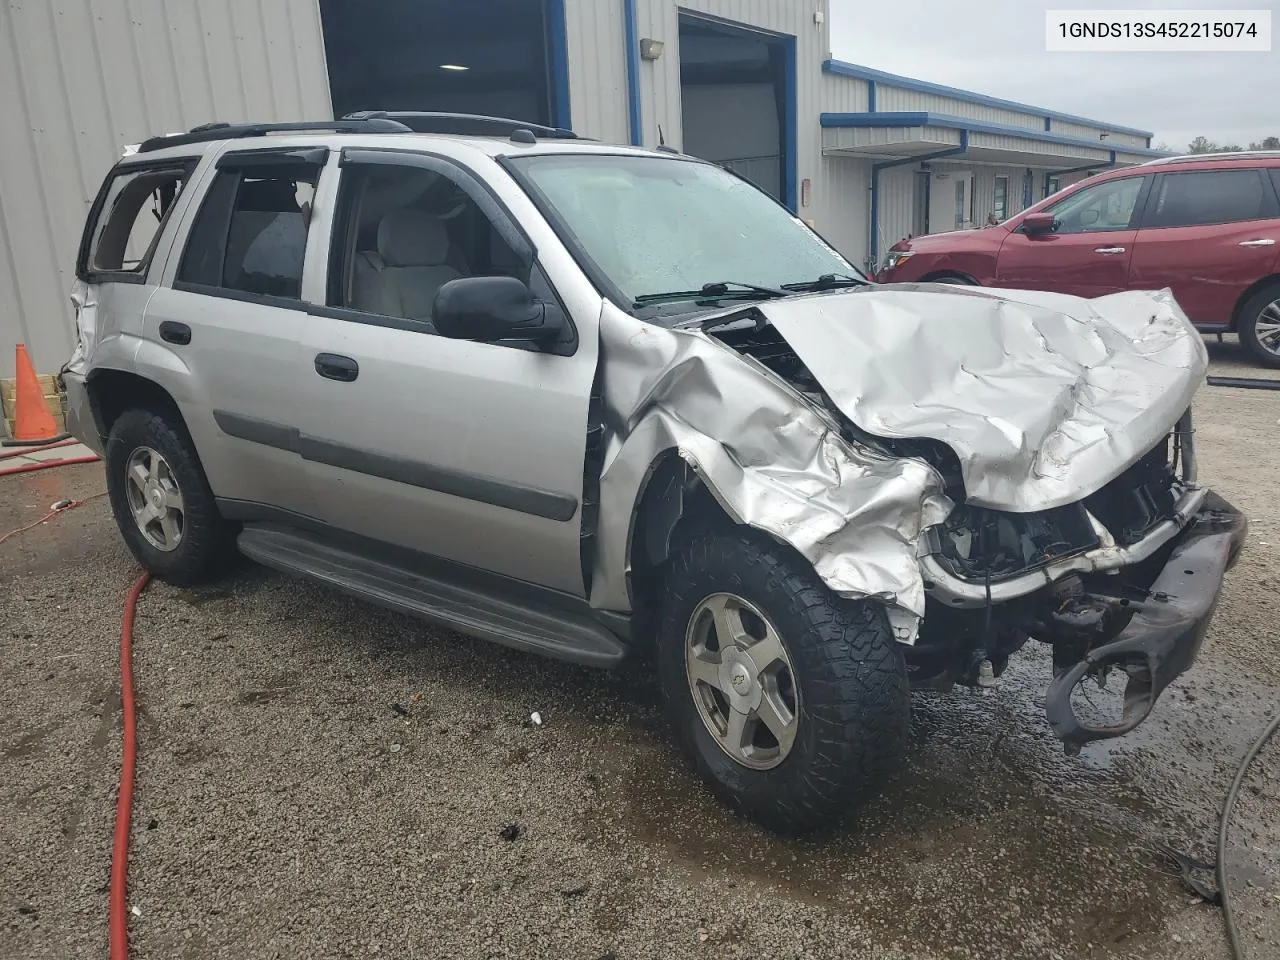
{"x":993,"y":466}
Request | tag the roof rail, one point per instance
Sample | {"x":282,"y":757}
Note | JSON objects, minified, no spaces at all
{"x":463,"y":124}
{"x":233,"y":131}
{"x":1228,"y":155}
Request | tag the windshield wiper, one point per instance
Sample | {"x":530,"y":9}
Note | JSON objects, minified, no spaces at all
{"x":828,"y":281}
{"x":714,"y":291}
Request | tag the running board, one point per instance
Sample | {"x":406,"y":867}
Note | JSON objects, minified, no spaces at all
{"x":521,"y":623}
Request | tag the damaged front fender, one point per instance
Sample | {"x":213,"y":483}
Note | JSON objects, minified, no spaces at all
{"x":772,"y":460}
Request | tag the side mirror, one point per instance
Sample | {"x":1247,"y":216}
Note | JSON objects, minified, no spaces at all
{"x":1034,"y":223}
{"x":493,"y":308}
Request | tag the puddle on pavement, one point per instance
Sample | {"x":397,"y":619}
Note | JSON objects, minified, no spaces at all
{"x":987,"y":827}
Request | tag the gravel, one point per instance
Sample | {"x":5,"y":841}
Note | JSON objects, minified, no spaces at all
{"x":319,"y":778}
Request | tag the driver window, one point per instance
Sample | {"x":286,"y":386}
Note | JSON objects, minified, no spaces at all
{"x":405,"y":232}
{"x":1104,"y":206}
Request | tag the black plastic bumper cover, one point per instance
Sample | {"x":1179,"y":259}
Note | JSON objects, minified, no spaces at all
{"x":1165,"y":634}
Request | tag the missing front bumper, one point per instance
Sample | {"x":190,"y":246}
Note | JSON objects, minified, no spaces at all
{"x":1164,"y":636}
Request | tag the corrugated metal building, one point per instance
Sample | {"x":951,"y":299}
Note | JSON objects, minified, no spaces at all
{"x":868,"y":157}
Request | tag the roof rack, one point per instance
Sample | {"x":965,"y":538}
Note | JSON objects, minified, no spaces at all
{"x":463,"y":124}
{"x":1228,"y":155}
{"x":232,"y":131}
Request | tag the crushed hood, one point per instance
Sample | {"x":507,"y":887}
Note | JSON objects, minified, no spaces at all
{"x":1045,"y":398}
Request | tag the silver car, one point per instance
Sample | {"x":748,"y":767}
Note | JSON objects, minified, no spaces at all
{"x":599,"y":402}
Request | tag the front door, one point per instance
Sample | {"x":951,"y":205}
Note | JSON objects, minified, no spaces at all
{"x":471,"y":452}
{"x":1208,"y":236}
{"x":1089,"y":251}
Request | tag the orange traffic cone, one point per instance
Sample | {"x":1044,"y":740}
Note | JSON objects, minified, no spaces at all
{"x":33,"y":424}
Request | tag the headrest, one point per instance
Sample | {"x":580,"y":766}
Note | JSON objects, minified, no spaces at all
{"x":411,"y":238}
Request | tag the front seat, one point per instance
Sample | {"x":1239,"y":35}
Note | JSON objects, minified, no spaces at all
{"x":410,"y":265}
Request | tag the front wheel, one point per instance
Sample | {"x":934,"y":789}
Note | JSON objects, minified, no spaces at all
{"x":1260,"y":325}
{"x":791,"y":702}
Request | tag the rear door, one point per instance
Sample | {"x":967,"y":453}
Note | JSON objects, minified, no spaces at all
{"x":1207,"y":235}
{"x":1089,"y":252}
{"x":224,"y":337}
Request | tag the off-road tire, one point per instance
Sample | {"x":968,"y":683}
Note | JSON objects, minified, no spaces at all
{"x":854,"y":711}
{"x":207,"y":545}
{"x":1249,"y":314}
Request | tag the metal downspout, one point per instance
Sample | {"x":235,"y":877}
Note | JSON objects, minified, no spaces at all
{"x":874,"y":243}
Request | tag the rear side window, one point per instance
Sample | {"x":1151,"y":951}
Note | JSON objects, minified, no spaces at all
{"x":126,"y":222}
{"x":250,"y":236}
{"x":1208,"y":197}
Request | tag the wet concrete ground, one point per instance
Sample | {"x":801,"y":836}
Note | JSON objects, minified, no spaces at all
{"x":319,"y":778}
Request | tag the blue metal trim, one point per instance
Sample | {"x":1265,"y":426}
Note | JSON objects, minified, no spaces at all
{"x":840,"y":68}
{"x":874,"y":245}
{"x":558,"y":47}
{"x":871,"y":96}
{"x":790,"y":127}
{"x":634,"y":110}
{"x":922,"y":119}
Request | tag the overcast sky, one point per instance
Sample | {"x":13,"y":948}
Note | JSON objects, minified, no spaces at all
{"x":997,"y":47}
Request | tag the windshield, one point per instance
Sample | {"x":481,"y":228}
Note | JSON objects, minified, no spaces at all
{"x":657,"y":225}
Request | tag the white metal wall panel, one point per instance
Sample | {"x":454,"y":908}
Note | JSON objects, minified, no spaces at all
{"x":896,"y":99}
{"x":897,"y":206}
{"x":79,"y":79}
{"x":596,"y":37}
{"x":1114,"y":140}
{"x":922,"y":139}
{"x":840,"y":205}
{"x":844,"y":94}
{"x":991,"y":141}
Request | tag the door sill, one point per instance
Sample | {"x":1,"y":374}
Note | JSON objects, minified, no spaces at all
{"x":517,"y":618}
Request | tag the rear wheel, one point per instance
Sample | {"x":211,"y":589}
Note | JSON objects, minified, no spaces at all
{"x":1260,"y":325}
{"x":162,"y":501}
{"x":791,"y":702}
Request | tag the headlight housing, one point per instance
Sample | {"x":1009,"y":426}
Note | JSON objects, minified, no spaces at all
{"x":976,"y":543}
{"x":897,"y":258}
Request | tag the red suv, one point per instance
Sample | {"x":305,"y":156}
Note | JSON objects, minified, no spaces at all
{"x":1206,"y":227}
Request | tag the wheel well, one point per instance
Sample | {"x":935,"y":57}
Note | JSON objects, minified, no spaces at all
{"x":112,"y":392}
{"x":675,"y":507}
{"x":948,"y":275}
{"x":1245,"y":297}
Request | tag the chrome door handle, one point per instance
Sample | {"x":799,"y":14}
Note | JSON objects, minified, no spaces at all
{"x":1109,"y":250}
{"x":1258,"y":243}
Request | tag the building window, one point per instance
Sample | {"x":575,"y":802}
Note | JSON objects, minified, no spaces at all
{"x":959,"y":202}
{"x":1002,"y":198}
{"x":1051,"y":186}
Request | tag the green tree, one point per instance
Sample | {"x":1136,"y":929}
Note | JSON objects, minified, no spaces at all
{"x":1268,"y":143}
{"x":1202,"y":145}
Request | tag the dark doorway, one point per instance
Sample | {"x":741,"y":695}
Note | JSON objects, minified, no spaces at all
{"x":498,"y":58}
{"x":737,"y":93}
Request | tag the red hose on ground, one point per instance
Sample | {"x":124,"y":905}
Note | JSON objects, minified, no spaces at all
{"x":9,"y":455}
{"x":46,"y":465}
{"x":118,"y":918}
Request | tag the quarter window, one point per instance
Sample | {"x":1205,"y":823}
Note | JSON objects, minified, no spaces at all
{"x":1103,"y":206}
{"x":131,"y":216}
{"x":1208,"y":196}
{"x":251,"y":233}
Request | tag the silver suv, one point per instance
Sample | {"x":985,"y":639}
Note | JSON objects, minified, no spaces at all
{"x":593,"y":401}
